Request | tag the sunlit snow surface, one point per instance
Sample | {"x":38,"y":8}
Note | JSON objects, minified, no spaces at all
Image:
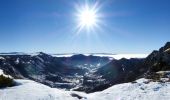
{"x":30,"y":90}
{"x":2,"y":73}
{"x":134,"y":91}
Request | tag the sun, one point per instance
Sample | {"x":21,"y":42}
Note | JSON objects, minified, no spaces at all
{"x":87,"y":17}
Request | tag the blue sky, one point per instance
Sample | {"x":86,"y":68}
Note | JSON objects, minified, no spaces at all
{"x":127,"y":26}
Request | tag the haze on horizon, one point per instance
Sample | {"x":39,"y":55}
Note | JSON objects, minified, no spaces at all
{"x":60,"y":26}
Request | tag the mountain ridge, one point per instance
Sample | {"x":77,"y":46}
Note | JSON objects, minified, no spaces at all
{"x":81,"y":72}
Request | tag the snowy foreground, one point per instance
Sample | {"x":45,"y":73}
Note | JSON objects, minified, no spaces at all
{"x":30,"y":90}
{"x":141,"y":90}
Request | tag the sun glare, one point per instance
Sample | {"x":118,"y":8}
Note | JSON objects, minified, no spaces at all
{"x":88,"y":17}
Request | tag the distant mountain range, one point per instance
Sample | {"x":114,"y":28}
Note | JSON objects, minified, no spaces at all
{"x":84,"y":72}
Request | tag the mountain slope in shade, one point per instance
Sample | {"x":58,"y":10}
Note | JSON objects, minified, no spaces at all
{"x":85,"y":73}
{"x":159,"y":59}
{"x":125,"y":70}
{"x":59,"y":72}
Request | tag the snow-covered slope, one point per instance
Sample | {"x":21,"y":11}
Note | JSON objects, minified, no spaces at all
{"x":141,"y":90}
{"x":2,"y":73}
{"x":30,"y":90}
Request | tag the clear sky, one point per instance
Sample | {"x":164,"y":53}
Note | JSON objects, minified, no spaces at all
{"x":125,"y":26}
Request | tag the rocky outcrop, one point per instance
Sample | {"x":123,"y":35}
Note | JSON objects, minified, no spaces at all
{"x":159,"y":60}
{"x":128,"y":70}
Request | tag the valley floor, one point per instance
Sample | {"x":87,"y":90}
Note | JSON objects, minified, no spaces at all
{"x":142,"y":89}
